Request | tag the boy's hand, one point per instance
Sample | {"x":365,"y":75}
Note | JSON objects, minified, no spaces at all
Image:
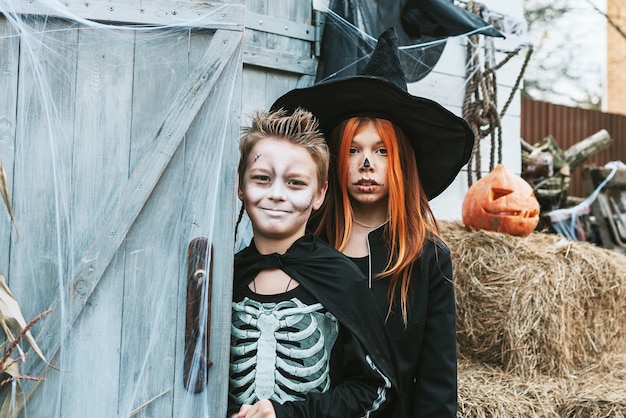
{"x":242,"y":411}
{"x":261,"y":409}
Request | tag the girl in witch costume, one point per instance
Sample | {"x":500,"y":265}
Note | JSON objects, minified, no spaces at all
{"x":303,"y":342}
{"x":391,"y":153}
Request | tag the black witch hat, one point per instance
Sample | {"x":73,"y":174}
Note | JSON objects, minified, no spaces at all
{"x":442,"y":141}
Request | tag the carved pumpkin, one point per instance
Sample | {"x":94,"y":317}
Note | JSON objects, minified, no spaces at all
{"x":503,"y":202}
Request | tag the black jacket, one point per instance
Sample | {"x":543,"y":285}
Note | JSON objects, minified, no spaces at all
{"x":425,"y":350}
{"x":335,"y":282}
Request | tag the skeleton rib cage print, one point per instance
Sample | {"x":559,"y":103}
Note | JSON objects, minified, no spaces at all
{"x":280,"y":351}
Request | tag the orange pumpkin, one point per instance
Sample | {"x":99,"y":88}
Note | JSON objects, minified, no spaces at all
{"x":503,"y":202}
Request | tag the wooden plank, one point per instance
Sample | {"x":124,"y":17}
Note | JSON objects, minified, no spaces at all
{"x":138,"y":188}
{"x":151,"y":285}
{"x":8,"y":86}
{"x":275,"y":59}
{"x":282,"y":41}
{"x":209,"y":211}
{"x":100,"y":168}
{"x":200,"y":14}
{"x":277,"y":85}
{"x":254,"y":75}
{"x":223,"y":233}
{"x":593,"y":144}
{"x":43,"y":151}
{"x":298,"y":12}
{"x":283,"y":27}
{"x":254,"y":84}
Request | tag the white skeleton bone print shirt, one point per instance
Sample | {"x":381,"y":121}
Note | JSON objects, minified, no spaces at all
{"x":281,"y":347}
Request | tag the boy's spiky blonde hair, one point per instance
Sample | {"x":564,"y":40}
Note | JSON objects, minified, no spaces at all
{"x":299,"y":128}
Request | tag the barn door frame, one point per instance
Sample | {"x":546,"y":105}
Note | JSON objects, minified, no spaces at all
{"x":225,"y":46}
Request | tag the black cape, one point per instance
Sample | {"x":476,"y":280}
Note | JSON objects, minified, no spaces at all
{"x":335,"y":282}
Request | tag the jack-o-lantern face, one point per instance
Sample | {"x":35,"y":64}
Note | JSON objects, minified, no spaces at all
{"x":502,"y":202}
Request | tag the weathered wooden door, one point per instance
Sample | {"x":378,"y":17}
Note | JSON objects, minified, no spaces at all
{"x":119,"y":146}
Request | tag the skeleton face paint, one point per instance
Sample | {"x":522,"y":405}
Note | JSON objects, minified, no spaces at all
{"x":280,"y":191}
{"x":367,"y":169}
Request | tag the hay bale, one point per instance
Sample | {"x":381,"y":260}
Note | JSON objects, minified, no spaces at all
{"x":596,"y":397}
{"x":606,"y":399}
{"x":488,"y":392}
{"x":538,"y":304}
{"x":599,"y":391}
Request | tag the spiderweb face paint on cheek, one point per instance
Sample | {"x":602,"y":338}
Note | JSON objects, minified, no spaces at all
{"x":256,"y":157}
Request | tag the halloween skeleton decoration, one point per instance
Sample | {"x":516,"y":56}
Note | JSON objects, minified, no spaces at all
{"x":276,"y":331}
{"x":502,"y":202}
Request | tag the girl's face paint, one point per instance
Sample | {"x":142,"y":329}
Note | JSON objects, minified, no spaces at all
{"x":279,"y":190}
{"x":367,"y":183}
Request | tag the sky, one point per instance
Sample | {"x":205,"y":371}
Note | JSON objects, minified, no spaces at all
{"x":577,"y":38}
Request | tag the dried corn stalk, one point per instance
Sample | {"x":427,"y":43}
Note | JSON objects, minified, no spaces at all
{"x":12,"y":321}
{"x":15,"y":329}
{"x":4,"y":192}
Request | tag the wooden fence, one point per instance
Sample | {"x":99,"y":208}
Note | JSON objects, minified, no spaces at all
{"x":569,"y":125}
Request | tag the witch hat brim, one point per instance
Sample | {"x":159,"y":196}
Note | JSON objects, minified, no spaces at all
{"x":442,"y":141}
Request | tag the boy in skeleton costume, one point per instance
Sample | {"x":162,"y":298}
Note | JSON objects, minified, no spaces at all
{"x":305,"y":339}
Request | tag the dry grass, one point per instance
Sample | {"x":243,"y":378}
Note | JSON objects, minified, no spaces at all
{"x":538,"y":304}
{"x":488,"y":392}
{"x":16,"y":332}
{"x":599,"y":391}
{"x":540,"y":326}
{"x":597,"y":398}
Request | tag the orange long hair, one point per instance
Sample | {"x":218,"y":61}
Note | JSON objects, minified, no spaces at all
{"x":411,"y":221}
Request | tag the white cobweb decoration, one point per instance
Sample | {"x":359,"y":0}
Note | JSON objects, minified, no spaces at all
{"x":94,"y":125}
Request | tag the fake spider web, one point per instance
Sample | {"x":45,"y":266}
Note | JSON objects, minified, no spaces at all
{"x":83,"y":104}
{"x":99,"y":135}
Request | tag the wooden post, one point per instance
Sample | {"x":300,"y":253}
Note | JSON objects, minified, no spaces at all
{"x":589,"y":146}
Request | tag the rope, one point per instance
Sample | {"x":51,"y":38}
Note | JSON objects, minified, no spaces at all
{"x":480,"y":108}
